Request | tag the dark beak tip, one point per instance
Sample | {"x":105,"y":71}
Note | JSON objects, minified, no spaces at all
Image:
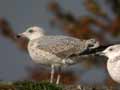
{"x":18,"y":36}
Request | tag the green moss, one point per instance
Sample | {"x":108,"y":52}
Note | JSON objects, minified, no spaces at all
{"x":31,"y":85}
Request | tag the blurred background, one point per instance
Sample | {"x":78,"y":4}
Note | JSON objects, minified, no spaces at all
{"x":82,"y":19}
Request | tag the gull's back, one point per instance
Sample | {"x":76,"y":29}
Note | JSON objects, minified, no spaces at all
{"x":58,"y":45}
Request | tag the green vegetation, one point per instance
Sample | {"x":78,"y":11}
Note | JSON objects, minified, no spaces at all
{"x":29,"y":85}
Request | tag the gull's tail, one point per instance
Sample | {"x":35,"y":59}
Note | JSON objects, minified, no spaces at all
{"x":95,"y":50}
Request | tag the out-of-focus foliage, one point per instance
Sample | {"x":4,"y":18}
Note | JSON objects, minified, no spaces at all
{"x":7,"y":31}
{"x":94,"y":8}
{"x":115,"y":6}
{"x":81,"y":27}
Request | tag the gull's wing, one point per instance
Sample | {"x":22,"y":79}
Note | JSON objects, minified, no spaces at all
{"x":61,"y":46}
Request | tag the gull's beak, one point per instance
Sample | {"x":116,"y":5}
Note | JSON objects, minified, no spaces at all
{"x":100,"y":53}
{"x":21,"y":35}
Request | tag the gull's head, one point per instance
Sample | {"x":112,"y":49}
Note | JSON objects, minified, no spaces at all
{"x":32,"y":33}
{"x":112,"y":51}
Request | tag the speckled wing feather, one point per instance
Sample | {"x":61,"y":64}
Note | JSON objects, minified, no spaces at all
{"x":61,"y":46}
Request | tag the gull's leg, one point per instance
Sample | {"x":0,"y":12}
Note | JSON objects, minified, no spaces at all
{"x":58,"y":77}
{"x":52,"y":73}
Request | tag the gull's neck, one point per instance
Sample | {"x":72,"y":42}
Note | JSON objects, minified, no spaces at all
{"x":112,"y":56}
{"x":32,"y":40}
{"x":36,"y":36}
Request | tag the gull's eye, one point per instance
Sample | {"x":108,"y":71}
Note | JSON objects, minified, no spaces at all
{"x":30,"y":31}
{"x":110,"y":49}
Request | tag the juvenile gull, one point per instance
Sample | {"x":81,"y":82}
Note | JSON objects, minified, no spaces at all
{"x":55,"y":50}
{"x":113,"y":63}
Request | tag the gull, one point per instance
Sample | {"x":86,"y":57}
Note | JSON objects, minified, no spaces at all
{"x":55,"y":50}
{"x":112,"y":52}
{"x":113,"y":62}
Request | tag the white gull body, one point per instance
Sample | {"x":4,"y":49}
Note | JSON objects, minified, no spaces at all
{"x":113,"y":63}
{"x":55,"y":50}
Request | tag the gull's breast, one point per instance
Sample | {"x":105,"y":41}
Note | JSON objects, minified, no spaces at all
{"x":43,"y":57}
{"x":114,"y":70}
